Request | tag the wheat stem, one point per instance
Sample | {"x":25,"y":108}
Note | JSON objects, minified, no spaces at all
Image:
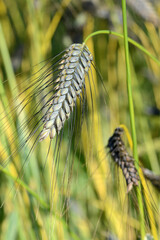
{"x":126,"y":40}
{"x":132,"y":118}
{"x":139,"y":46}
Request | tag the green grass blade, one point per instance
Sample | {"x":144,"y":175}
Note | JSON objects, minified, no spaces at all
{"x":7,"y":62}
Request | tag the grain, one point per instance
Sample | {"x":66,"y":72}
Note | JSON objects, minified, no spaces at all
{"x":73,"y":67}
{"x":122,"y":158}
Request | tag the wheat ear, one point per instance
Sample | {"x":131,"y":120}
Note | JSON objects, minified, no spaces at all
{"x":122,"y":158}
{"x":73,"y":67}
{"x":51,"y":94}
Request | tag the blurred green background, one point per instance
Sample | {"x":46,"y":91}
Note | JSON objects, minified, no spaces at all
{"x":97,"y":206}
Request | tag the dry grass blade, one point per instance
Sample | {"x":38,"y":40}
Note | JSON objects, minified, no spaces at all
{"x":120,"y":155}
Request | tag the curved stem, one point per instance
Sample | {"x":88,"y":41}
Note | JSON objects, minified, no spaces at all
{"x":139,"y":46}
{"x":130,"y":100}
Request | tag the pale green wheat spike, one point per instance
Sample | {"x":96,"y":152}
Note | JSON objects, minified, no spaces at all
{"x":73,"y":67}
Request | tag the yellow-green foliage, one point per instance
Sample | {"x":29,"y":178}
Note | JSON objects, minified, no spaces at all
{"x":97,"y":204}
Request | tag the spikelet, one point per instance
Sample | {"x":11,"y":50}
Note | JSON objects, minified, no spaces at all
{"x":73,"y":67}
{"x":122,"y":158}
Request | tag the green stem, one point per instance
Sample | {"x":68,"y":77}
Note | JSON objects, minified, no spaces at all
{"x":21,"y":183}
{"x":130,"y":100}
{"x":132,"y":118}
{"x":7,"y":62}
{"x":139,"y":46}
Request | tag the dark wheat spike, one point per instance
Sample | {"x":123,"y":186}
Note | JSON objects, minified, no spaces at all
{"x":122,"y":158}
{"x":73,"y":67}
